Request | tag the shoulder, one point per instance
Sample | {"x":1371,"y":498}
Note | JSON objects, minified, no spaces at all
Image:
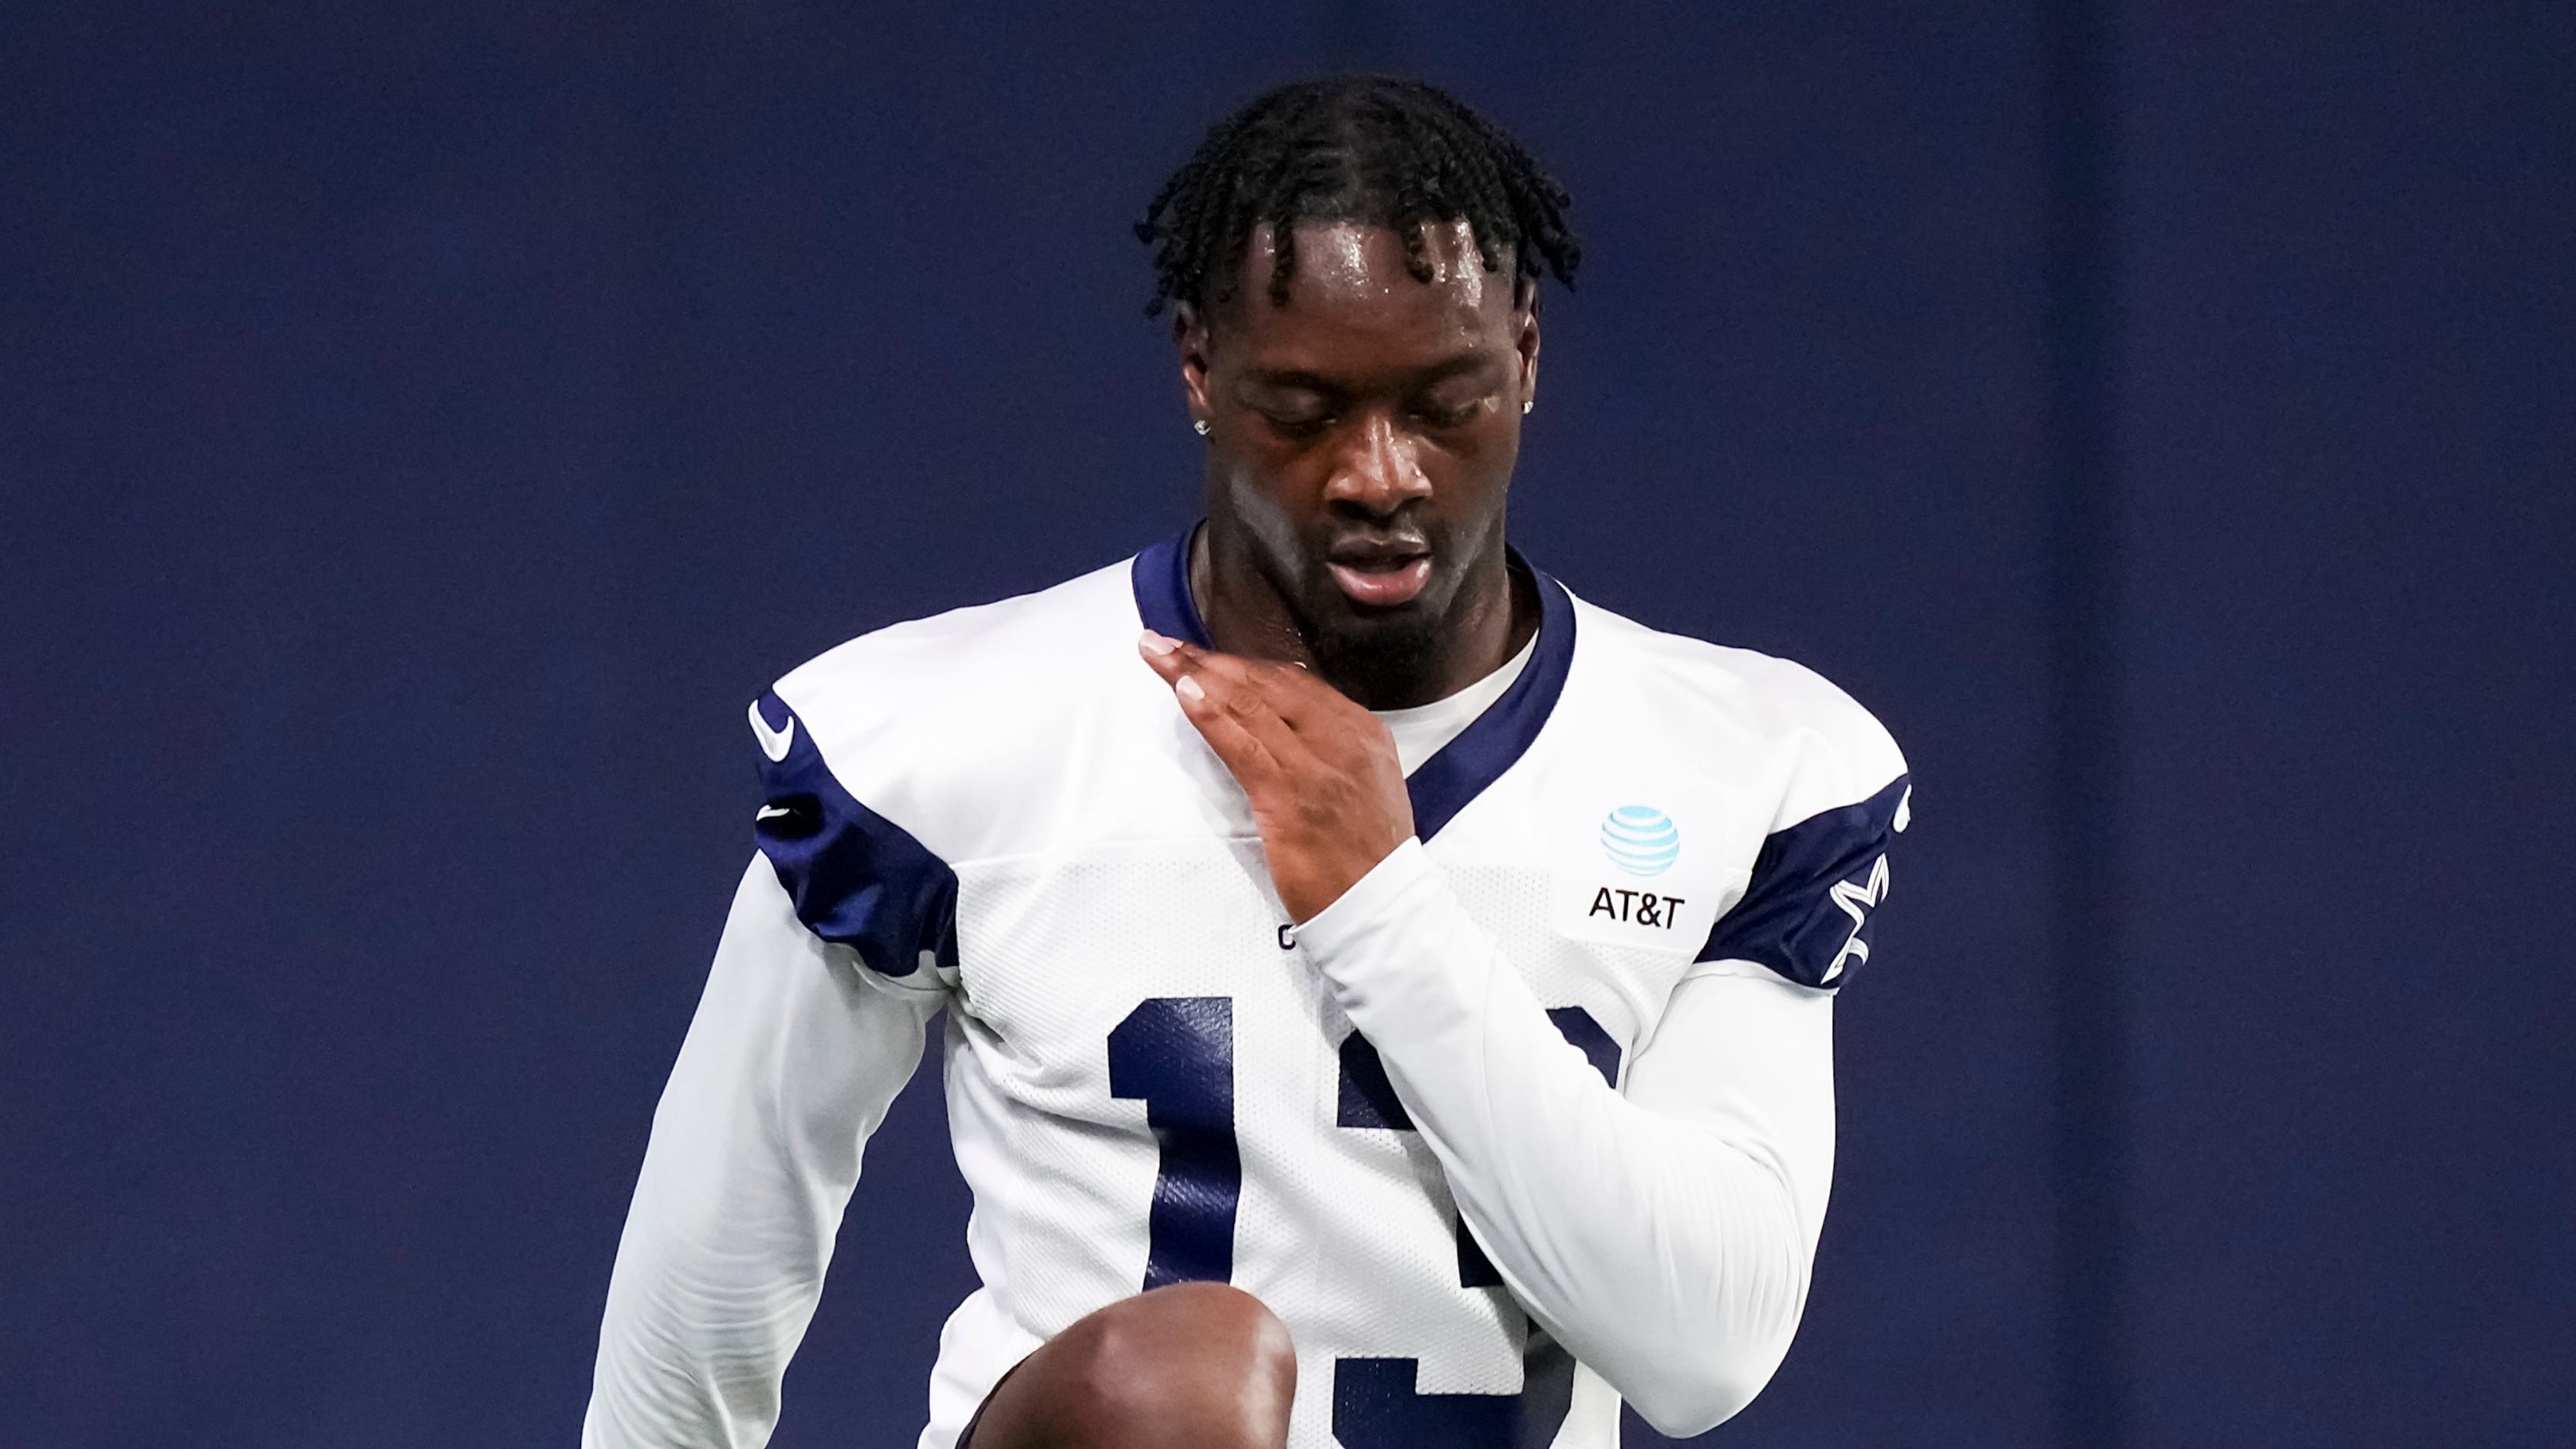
{"x":1823,"y":780}
{"x":1826,"y":748}
{"x":886,"y":761}
{"x":949,"y":663}
{"x":925,"y":719}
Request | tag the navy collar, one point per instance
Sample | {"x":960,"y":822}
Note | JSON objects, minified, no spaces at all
{"x":1163,"y":601}
{"x":1442,"y":785}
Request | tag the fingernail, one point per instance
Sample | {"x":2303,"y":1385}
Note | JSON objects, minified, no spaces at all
{"x":1154,"y":643}
{"x":1189,"y":689}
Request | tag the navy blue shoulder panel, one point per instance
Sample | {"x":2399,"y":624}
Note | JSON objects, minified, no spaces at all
{"x":1815,"y":886}
{"x":1442,"y":785}
{"x":857,"y":878}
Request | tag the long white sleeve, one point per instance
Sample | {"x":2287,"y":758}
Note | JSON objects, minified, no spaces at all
{"x":791,"y":1062}
{"x":1664,"y":1236}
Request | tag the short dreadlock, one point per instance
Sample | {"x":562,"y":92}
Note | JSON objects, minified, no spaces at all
{"x":1377,"y":150}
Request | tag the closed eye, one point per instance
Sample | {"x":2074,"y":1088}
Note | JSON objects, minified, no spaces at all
{"x":1452,"y":416}
{"x":1300,"y":425}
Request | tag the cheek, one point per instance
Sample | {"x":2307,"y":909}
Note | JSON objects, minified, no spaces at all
{"x":1475,"y":469}
{"x":1283,"y":485}
{"x":1256,"y":501}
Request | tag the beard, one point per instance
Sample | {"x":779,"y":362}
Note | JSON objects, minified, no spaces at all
{"x":1366,"y":658}
{"x":1370,"y":655}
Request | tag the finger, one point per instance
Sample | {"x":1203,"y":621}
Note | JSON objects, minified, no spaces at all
{"x":1207,"y":688}
{"x":1172,"y":658}
{"x":1292,"y":693}
{"x":1246,"y":754}
{"x":1228,"y":688}
{"x":1165,"y":655}
{"x":1232,"y":683}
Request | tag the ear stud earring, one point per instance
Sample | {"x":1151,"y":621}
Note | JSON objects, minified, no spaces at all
{"x":1526,"y":405}
{"x":1199,"y":426}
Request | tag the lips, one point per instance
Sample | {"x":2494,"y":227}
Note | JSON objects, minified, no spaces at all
{"x":1380,"y":574}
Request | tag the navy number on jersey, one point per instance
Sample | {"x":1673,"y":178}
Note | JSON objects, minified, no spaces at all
{"x":1176,"y":1054}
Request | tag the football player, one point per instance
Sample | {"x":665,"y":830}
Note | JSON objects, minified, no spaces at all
{"x":1388,"y":998}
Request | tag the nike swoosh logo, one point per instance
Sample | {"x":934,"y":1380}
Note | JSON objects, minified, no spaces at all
{"x":773,"y":812}
{"x":773,"y":743}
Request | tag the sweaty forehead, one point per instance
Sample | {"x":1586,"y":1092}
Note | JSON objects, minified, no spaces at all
{"x":1352,"y":285}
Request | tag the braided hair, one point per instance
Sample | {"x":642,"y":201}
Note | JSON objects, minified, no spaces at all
{"x":1377,"y":150}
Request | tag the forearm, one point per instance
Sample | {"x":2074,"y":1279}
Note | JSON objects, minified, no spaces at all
{"x":1667,"y":1246}
{"x":790,"y":1063}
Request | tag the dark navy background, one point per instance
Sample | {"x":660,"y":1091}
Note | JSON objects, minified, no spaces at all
{"x":423,"y":428}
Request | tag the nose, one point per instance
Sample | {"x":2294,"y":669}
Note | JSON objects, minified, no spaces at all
{"x":1381,"y":469}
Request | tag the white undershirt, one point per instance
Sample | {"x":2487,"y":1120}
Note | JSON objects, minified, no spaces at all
{"x":1421,"y":731}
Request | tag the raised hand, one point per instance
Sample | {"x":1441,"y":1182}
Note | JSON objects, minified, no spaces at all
{"x":1321,"y":772}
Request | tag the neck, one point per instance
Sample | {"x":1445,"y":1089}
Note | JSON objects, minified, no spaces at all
{"x":1493,"y":615}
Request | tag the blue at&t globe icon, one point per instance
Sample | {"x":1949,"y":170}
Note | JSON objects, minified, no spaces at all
{"x":1641,"y":840}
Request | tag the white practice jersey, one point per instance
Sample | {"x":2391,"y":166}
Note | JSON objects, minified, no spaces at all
{"x":1538,"y":1115}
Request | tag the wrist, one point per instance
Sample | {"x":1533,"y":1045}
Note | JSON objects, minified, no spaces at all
{"x":1366,"y":894}
{"x":1315,"y":892}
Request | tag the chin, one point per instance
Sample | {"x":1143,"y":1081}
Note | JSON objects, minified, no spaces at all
{"x":1379,"y":653}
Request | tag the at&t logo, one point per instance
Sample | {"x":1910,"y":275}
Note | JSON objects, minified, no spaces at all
{"x":1641,"y":840}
